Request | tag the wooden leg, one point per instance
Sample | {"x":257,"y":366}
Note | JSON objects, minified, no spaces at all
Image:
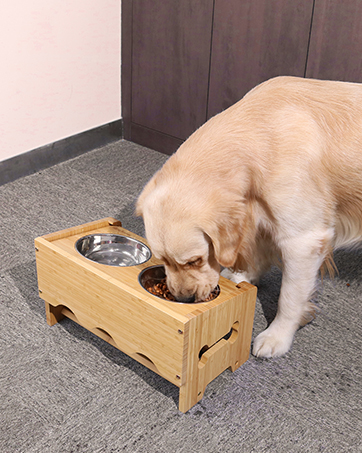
{"x":53,"y":314}
{"x":188,"y":397}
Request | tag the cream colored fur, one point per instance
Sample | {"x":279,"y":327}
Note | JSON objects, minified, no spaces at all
{"x":276,"y":178}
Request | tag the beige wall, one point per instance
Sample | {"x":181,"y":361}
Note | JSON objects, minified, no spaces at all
{"x":60,"y":70}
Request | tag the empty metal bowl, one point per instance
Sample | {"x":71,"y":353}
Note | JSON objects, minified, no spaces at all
{"x":113,"y":249}
{"x":152,"y":279}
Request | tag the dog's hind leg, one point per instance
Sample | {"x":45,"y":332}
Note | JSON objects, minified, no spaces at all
{"x":302,"y":258}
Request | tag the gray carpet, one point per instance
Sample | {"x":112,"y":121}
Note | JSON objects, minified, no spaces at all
{"x":63,"y":389}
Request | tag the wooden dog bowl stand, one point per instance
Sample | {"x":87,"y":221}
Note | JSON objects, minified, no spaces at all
{"x":187,"y":344}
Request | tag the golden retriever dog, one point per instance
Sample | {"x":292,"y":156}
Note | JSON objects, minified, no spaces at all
{"x":276,"y":178}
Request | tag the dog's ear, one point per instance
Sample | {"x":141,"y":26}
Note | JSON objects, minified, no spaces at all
{"x":150,"y":186}
{"x":226,"y":240}
{"x":226,"y":236}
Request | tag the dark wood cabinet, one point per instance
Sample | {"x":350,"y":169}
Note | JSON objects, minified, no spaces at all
{"x":170,"y":67}
{"x":335,"y":50}
{"x":183,"y":61}
{"x":254,"y":41}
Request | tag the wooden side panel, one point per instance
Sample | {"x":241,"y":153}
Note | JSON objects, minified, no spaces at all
{"x":336,"y":41}
{"x":254,"y":41}
{"x":170,"y":64}
{"x":100,"y":304}
{"x":206,"y":330}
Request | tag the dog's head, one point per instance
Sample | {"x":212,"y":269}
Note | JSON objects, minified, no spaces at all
{"x":193,"y":230}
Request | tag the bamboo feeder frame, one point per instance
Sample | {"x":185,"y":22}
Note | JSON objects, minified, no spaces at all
{"x":189,"y":344}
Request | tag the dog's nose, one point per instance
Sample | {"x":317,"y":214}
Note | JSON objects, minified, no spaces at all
{"x":186,"y":299}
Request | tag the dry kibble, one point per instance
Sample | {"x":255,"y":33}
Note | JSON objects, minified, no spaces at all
{"x":160,"y":289}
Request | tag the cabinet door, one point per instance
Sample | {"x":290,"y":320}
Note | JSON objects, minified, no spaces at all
{"x":254,"y":40}
{"x":336,"y":41}
{"x":170,"y":64}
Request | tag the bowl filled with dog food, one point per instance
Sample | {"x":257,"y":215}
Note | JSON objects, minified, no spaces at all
{"x":113,"y":249}
{"x":153,"y":280}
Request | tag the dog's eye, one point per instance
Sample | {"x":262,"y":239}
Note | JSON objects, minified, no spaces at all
{"x":194,"y":263}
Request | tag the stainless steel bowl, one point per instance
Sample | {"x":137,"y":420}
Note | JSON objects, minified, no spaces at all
{"x":155,"y":274}
{"x":113,"y":249}
{"x":151,"y":276}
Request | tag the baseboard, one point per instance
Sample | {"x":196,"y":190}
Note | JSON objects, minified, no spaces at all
{"x":46,"y":156}
{"x":153,"y":139}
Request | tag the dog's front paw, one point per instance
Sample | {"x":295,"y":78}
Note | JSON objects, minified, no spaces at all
{"x":273,"y":342}
{"x":238,"y":277}
{"x":235,"y":277}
